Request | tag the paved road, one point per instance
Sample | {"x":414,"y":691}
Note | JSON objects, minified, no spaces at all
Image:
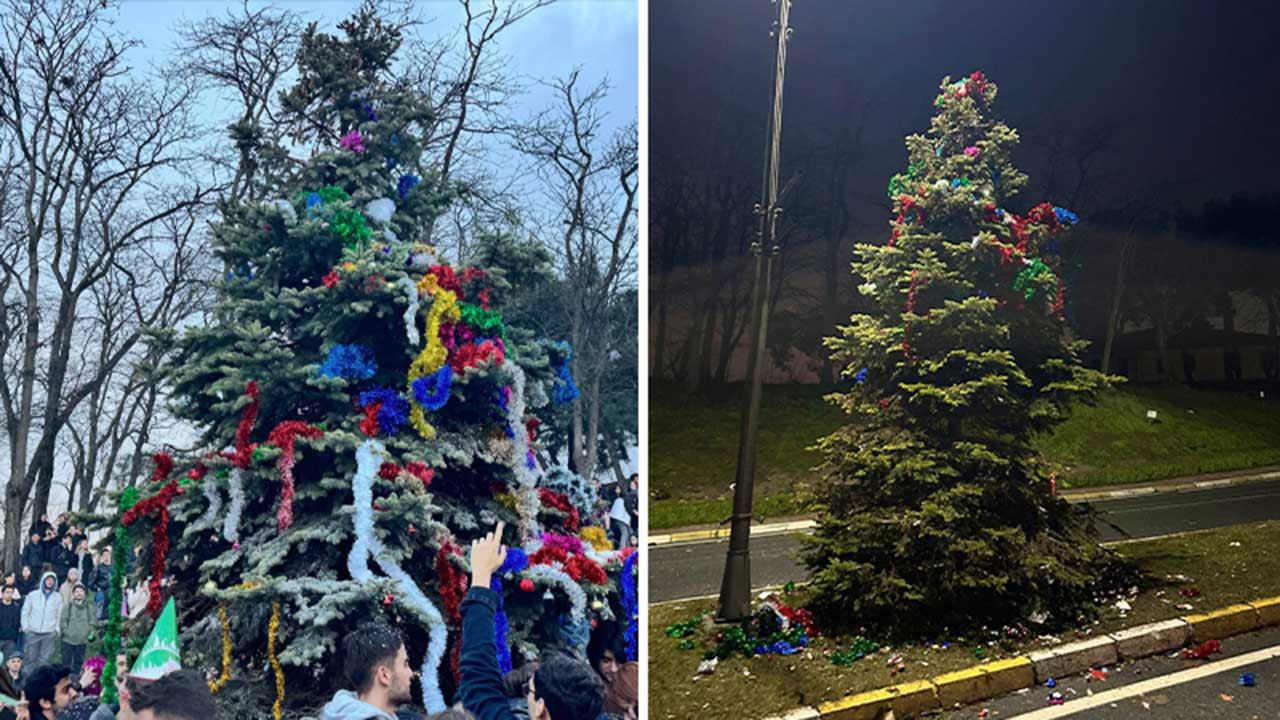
{"x":694,"y":569}
{"x":1160,"y":688}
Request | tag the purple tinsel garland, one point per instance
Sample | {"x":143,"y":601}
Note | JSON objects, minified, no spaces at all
{"x":629,"y":603}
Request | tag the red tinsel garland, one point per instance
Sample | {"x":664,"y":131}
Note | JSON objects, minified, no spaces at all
{"x":158,"y":503}
{"x":470,"y":355}
{"x":244,"y":451}
{"x":419,"y":469}
{"x":559,"y":501}
{"x":548,"y":555}
{"x":283,"y":436}
{"x":447,"y":279}
{"x":453,"y":586}
{"x":198,"y":472}
{"x":801,"y":616}
{"x":369,"y":425}
{"x":579,"y":567}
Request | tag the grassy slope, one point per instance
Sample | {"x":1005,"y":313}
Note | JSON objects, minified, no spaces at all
{"x":693,"y":444}
{"x":742,"y":689}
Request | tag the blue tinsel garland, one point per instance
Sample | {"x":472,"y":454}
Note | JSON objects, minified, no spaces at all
{"x":394,"y":412}
{"x":564,"y":391}
{"x":1066,"y":216}
{"x":516,"y":561}
{"x":628,"y":583}
{"x":407,"y":183}
{"x":432,"y":391}
{"x":349,"y":362}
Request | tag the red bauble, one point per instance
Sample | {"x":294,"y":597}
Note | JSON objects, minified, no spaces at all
{"x":526,"y":585}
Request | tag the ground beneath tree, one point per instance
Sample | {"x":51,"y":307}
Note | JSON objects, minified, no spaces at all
{"x":1218,"y":567}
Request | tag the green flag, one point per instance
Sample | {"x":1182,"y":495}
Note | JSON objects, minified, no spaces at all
{"x":159,"y":656}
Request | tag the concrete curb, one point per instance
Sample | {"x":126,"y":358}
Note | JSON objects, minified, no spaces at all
{"x":988,"y":680}
{"x":1083,"y":495}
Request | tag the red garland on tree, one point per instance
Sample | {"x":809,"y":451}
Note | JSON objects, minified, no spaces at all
{"x":369,"y":425}
{"x":470,"y":355}
{"x":548,"y":555}
{"x":453,"y":586}
{"x":158,"y":503}
{"x":198,"y":472}
{"x":244,"y":451}
{"x":419,"y":469}
{"x":580,"y":567}
{"x":447,"y":279}
{"x":283,"y":436}
{"x":559,"y":501}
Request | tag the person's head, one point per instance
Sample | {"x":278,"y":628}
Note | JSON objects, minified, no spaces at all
{"x":106,"y":556}
{"x":26,"y":572}
{"x":619,"y":490}
{"x":73,"y":575}
{"x":624,"y":692}
{"x":564,"y":688}
{"x":376,"y":663}
{"x":9,"y":577}
{"x":14,"y":662}
{"x":180,"y":695}
{"x":516,"y":683}
{"x":35,"y":538}
{"x":49,"y":690}
{"x":612,"y":657}
{"x":635,"y":481}
{"x":457,"y":712}
{"x":66,"y":541}
{"x":50,"y":581}
{"x":82,"y":546}
{"x":7,"y":593}
{"x":77,"y":593}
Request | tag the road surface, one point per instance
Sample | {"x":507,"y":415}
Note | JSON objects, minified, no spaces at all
{"x":694,"y":569}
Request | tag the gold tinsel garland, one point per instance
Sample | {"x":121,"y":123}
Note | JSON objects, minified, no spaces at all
{"x":596,"y":537}
{"x":278,"y":708}
{"x":433,"y":354}
{"x":216,"y":685}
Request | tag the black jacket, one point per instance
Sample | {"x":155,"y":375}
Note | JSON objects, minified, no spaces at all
{"x":33,"y":556}
{"x":481,"y":690}
{"x":10,"y":621}
{"x":99,"y":580}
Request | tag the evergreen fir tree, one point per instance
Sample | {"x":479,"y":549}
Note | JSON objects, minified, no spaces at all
{"x":936,"y":511}
{"x":364,"y":412}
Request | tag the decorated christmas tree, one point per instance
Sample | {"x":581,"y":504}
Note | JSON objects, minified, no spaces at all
{"x":936,"y":510}
{"x":363,"y":413}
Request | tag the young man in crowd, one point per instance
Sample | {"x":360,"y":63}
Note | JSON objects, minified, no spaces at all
{"x":100,"y":582}
{"x":62,"y":557}
{"x":10,"y":621}
{"x":84,"y":558}
{"x":13,"y":664}
{"x":69,"y":585}
{"x":77,"y":623}
{"x":376,"y":664}
{"x":49,"y":691}
{"x":33,"y":555}
{"x":562,"y":688}
{"x":181,"y":695}
{"x":41,"y":619}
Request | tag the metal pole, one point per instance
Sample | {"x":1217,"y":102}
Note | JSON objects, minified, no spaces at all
{"x":735,"y":588}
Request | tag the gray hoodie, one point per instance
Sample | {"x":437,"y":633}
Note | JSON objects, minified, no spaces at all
{"x":41,"y":611}
{"x":345,"y":705}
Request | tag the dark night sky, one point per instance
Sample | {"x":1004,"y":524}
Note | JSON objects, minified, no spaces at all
{"x":1192,"y":86}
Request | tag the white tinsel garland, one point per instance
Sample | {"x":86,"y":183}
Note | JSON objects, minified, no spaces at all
{"x":411,"y":314}
{"x":368,"y":461}
{"x":526,"y":479}
{"x":557,"y":577}
{"x":210,"y":516}
{"x":231,"y":526}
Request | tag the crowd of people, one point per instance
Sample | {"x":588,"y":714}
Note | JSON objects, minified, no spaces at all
{"x":563,"y":685}
{"x":46,"y":624}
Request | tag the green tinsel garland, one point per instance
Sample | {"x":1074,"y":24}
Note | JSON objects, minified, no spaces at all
{"x":1022,"y":282}
{"x":860,"y":648}
{"x":111,"y":637}
{"x":350,"y":225}
{"x":487,"y":322}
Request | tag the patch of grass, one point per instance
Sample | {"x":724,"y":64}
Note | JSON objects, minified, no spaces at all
{"x":742,"y":688}
{"x":694,"y":444}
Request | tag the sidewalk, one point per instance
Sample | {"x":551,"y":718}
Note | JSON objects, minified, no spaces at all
{"x":795,"y":524}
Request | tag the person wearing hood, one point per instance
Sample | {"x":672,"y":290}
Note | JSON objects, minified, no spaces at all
{"x":69,"y":585}
{"x":77,"y":623}
{"x":376,"y":664}
{"x":41,"y":621}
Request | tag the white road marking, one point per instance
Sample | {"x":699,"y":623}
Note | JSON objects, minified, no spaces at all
{"x":1146,"y":686}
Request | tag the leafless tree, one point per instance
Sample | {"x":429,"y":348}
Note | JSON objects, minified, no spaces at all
{"x":103,"y":160}
{"x":591,"y":183}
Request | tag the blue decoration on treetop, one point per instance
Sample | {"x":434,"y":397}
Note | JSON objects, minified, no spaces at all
{"x":1066,"y":216}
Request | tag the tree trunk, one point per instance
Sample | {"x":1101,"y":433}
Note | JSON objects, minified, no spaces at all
{"x":593,"y":427}
{"x":1113,"y":318}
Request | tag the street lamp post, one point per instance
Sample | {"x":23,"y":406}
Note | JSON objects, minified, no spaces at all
{"x":735,"y":588}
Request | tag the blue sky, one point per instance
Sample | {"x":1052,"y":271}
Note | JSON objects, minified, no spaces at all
{"x":600,"y":36}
